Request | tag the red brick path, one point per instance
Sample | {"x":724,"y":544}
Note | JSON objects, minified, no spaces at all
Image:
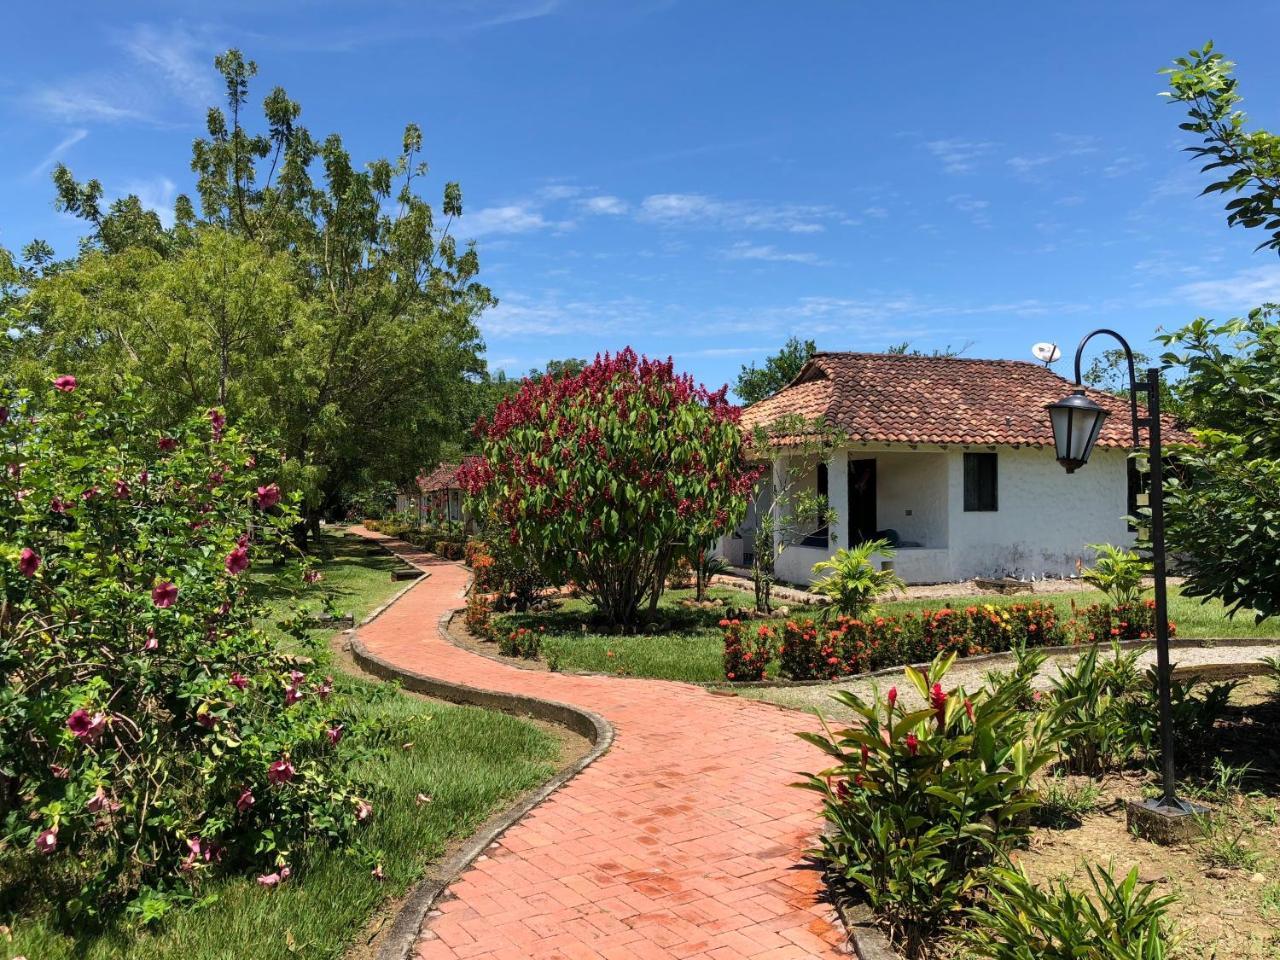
{"x":684,"y":840}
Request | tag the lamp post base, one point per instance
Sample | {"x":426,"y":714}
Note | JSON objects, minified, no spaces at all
{"x":1160,"y":823}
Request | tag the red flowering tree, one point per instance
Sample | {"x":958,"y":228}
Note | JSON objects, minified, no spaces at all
{"x":603,"y":476}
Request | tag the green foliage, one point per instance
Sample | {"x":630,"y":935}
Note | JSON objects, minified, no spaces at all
{"x":606,"y":477}
{"x":1224,"y":506}
{"x":319,"y":301}
{"x":920,"y":802}
{"x":1196,"y":709}
{"x":150,"y":732}
{"x":755,"y":383}
{"x":1117,"y":572}
{"x":1115,"y":920}
{"x":747,"y":652}
{"x":1092,"y":695}
{"x":1248,"y":161}
{"x":520,"y":642}
{"x":851,"y":582}
{"x":1066,"y":804}
{"x":503,"y":569}
{"x":788,"y":507}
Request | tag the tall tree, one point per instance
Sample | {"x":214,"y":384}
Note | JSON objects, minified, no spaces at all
{"x":1224,"y":504}
{"x":755,"y":383}
{"x":325,"y":302}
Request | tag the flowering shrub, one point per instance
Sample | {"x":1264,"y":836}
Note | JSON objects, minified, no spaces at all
{"x":603,"y":477}
{"x":148,"y":730}
{"x":501,"y":568}
{"x":747,"y":656}
{"x":476,"y":617}
{"x":521,"y":642}
{"x":1126,"y":621}
{"x":812,"y":650}
{"x":921,"y":802}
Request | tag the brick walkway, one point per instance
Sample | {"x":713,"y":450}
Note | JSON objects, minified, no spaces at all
{"x":684,"y":840}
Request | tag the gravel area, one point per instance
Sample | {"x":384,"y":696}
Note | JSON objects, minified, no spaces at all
{"x":818,"y":697}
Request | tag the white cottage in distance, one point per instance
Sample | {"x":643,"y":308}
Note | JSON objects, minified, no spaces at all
{"x":952,"y":459}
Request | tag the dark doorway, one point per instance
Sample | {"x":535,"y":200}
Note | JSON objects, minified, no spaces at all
{"x":862,"y":501}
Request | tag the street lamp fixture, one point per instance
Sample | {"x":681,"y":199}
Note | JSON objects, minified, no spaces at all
{"x":1077,"y":421}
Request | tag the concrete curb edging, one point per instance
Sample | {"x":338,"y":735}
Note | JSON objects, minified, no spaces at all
{"x":404,"y":932}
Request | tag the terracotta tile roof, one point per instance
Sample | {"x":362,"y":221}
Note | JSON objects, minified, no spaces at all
{"x":443,"y":477}
{"x":892,"y":398}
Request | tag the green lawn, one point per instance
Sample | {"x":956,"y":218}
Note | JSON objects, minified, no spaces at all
{"x":469,"y":761}
{"x":689,"y":645}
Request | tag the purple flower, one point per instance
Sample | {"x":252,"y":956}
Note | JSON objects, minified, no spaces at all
{"x":245,"y":801}
{"x":47,"y":841}
{"x":86,"y":727}
{"x":167,"y":444}
{"x":334,"y":734}
{"x":65,"y":383}
{"x":239,"y":680}
{"x":281,"y":771}
{"x":164,"y":594}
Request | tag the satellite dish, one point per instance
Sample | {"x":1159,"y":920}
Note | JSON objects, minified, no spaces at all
{"x":1046,"y":352}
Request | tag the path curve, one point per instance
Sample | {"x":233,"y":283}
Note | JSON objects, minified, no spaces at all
{"x":685,"y":840}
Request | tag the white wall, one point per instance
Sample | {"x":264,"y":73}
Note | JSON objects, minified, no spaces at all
{"x":1046,"y":516}
{"x":911,"y":496}
{"x":1044,"y":520}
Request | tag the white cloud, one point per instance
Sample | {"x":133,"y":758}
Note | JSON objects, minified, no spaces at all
{"x":972,"y":207}
{"x":767,"y":251}
{"x":877,"y":213}
{"x":508,"y":219}
{"x":959,"y":156}
{"x":605,"y":205}
{"x":1123,"y":166}
{"x":179,"y":57}
{"x":696,"y":209}
{"x":58,"y":152}
{"x":1242,"y":290}
{"x":80,"y":102}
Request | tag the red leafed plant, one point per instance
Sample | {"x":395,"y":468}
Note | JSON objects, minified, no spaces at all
{"x":605,"y":476}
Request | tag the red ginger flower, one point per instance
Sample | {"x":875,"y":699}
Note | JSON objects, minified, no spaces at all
{"x":938,"y":700}
{"x":913,"y":743}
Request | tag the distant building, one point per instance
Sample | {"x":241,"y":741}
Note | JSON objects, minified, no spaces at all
{"x":952,"y":460}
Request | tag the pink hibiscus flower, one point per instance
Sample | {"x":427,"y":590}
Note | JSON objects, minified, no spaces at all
{"x":268,"y":496}
{"x":164,"y":594}
{"x":28,"y":562}
{"x":237,"y":561}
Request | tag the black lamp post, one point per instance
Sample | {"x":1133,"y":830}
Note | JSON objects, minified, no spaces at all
{"x":1077,"y":422}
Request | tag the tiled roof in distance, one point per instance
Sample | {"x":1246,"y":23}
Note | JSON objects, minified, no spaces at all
{"x":904,"y":398}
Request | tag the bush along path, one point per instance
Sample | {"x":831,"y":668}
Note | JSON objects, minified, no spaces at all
{"x":685,"y":840}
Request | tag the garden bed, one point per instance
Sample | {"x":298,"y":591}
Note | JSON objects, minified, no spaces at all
{"x":1227,"y":885}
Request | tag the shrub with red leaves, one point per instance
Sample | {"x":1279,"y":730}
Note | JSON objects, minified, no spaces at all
{"x":603,"y":477}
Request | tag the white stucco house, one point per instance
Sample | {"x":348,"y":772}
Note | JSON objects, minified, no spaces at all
{"x":434,"y":496}
{"x":950,"y":458}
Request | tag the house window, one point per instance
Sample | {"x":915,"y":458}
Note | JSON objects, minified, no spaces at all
{"x":818,"y":538}
{"x":980,"y":482}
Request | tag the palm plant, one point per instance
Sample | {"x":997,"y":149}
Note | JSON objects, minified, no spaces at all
{"x":1117,"y":572}
{"x":852,"y":583}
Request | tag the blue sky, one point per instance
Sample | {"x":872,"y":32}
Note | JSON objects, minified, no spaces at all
{"x":703,"y":179}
